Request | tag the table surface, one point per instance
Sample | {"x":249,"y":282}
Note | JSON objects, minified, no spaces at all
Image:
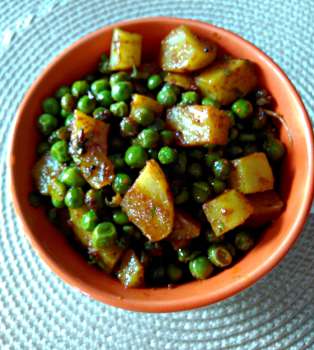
{"x":37,"y":309}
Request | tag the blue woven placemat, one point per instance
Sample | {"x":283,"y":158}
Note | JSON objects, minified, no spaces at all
{"x":38,"y":310}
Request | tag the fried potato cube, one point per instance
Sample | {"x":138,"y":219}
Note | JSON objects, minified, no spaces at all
{"x":131,"y":271}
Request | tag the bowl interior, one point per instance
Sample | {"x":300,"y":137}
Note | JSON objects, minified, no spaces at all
{"x":296,"y":185}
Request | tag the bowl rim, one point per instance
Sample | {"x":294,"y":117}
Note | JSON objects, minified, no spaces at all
{"x":199,"y":300}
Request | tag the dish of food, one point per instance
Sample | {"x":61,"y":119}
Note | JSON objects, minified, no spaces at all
{"x":161,"y":172}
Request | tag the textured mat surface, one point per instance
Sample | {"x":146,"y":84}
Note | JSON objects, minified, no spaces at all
{"x":37,"y":310}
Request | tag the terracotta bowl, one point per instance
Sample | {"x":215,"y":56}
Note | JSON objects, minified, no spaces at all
{"x":296,"y":183}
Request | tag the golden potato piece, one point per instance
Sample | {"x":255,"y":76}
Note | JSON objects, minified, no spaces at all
{"x":227,"y":80}
{"x":251,"y":174}
{"x":140,"y":101}
{"x":227,"y":211}
{"x":266,"y":205}
{"x":126,"y":50}
{"x":82,"y":235}
{"x":183,"y":51}
{"x":199,"y":125}
{"x":88,"y":148}
{"x":149,"y":204}
{"x":131,"y":272}
{"x":181,"y":80}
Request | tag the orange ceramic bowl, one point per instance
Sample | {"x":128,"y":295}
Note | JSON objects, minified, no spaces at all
{"x":296,"y":182}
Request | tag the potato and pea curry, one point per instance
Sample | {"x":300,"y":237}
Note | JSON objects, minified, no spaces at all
{"x":161,"y":172}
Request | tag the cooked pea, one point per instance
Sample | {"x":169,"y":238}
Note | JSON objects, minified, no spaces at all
{"x":167,"y":137}
{"x":117,"y":160}
{"x":119,"y":109}
{"x":121,"y":91}
{"x":135,"y":156}
{"x":74,"y":197}
{"x":63,"y":90}
{"x":242,"y":108}
{"x":47,"y":123}
{"x":86,"y":105}
{"x":245,"y":137}
{"x":208,"y":101}
{"x":181,"y":163}
{"x":121,"y":183}
{"x":212,"y":238}
{"x":184,"y":255}
{"x":182,"y":197}
{"x":148,"y":138}
{"x":58,"y":192}
{"x":154,"y":81}
{"x":79,"y":88}
{"x":218,"y":186}
{"x":200,"y":191}
{"x":104,"y":98}
{"x":62,"y":133}
{"x":67,"y":102}
{"x":158,"y":124}
{"x":89,"y":220}
{"x":43,"y":147}
{"x":120,"y":218}
{"x":34,"y":199}
{"x":104,"y":235}
{"x":132,"y":231}
{"x":59,"y":151}
{"x":167,"y":96}
{"x":201,"y":268}
{"x":119,"y":76}
{"x":274,"y":148}
{"x":128,"y":127}
{"x":99,"y":85}
{"x":103,"y":114}
{"x":174,"y":273}
{"x":51,"y":106}
{"x":221,"y":169}
{"x":219,"y":255}
{"x":104,"y":66}
{"x":189,"y":98}
{"x":69,"y":119}
{"x":71,"y":176}
{"x":243,"y":241}
{"x":211,"y":158}
{"x":167,"y":155}
{"x":195,"y":170}
{"x":64,"y":113}
{"x":94,"y":199}
{"x":143,"y":116}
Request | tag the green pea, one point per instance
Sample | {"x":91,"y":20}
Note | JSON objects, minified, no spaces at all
{"x":119,"y":76}
{"x":148,"y":138}
{"x":274,"y":148}
{"x":86,"y":105}
{"x":167,"y":97}
{"x":143,"y":116}
{"x":99,"y":85}
{"x":195,"y":170}
{"x":71,"y":176}
{"x":42,"y":148}
{"x":104,"y":98}
{"x":212,"y":238}
{"x":154,"y":81}
{"x":243,"y":241}
{"x":89,"y":220}
{"x":189,"y":98}
{"x":94,"y":199}
{"x":182,"y":197}
{"x":79,"y":88}
{"x":120,"y":218}
{"x":201,"y":268}
{"x":211,"y":158}
{"x":64,"y":113}
{"x":184,"y":255}
{"x":119,"y":109}
{"x":74,"y":198}
{"x":219,"y":256}
{"x":117,"y":160}
{"x":63,"y":90}
{"x":233,"y":134}
{"x":208,"y":101}
{"x":34,"y":199}
{"x":158,"y":124}
{"x":172,"y":87}
{"x":104,"y":235}
{"x":167,"y":137}
{"x":58,"y":193}
{"x":245,"y":137}
{"x":167,"y":155}
{"x":103,"y":114}
{"x":128,"y":127}
{"x":59,"y":151}
{"x":104,"y":66}
{"x":132,"y":231}
{"x":200,"y":191}
{"x":181,"y":163}
{"x":221,"y":169}
{"x":218,"y":186}
{"x":121,"y":183}
{"x":47,"y":123}
{"x":51,"y":106}
{"x":242,"y":108}
{"x":62,"y":133}
{"x":67,"y":102}
{"x":174,"y":273}
{"x":69,"y":119}
{"x":121,"y":91}
{"x":135,"y":156}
